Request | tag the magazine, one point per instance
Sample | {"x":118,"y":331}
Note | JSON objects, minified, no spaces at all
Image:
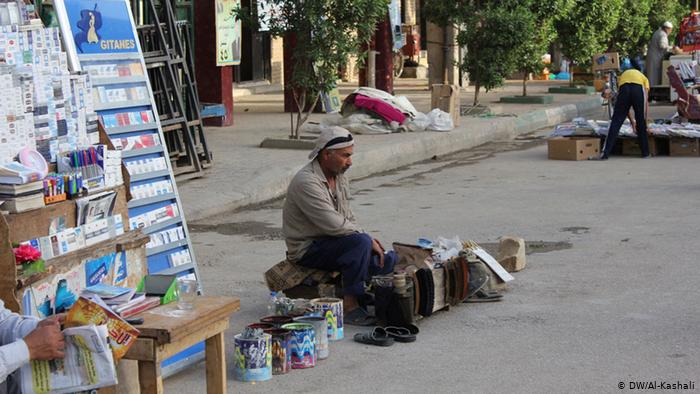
{"x":107,"y":291}
{"x":95,"y":207}
{"x":121,"y":334}
{"x":87,"y":365}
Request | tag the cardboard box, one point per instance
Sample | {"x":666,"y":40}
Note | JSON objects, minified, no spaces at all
{"x":573,"y":148}
{"x":630,"y":147}
{"x":606,"y":61}
{"x":684,"y":147}
{"x":446,"y":97}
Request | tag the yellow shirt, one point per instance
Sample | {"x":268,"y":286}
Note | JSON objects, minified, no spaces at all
{"x":633,"y":76}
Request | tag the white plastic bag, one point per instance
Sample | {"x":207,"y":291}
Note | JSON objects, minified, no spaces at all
{"x":419,"y":123}
{"x":440,"y":120}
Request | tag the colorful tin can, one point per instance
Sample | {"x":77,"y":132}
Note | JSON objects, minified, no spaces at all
{"x":277,"y":320}
{"x":252,"y":358}
{"x":281,"y":356}
{"x":321,"y":333}
{"x":261,"y":326}
{"x":301,"y":345}
{"x":332,"y":310}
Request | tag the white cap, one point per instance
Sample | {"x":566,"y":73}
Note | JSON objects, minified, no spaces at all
{"x":334,"y":137}
{"x":668,"y":25}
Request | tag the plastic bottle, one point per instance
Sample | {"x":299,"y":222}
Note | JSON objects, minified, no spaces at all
{"x":282,"y":306}
{"x":271,"y":306}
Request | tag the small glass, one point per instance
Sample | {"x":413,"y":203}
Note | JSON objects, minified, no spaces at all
{"x":187,"y":291}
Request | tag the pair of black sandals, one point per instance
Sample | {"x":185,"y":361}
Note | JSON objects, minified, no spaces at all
{"x":387,"y":336}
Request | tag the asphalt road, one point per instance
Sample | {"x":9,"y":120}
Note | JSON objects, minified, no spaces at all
{"x":611,"y":297}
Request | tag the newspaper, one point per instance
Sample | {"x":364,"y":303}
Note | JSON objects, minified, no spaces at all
{"x":88,"y":364}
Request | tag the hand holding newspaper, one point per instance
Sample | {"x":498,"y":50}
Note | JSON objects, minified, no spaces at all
{"x":88,"y":364}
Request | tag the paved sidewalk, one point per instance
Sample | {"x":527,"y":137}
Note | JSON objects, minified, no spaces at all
{"x":244,"y":174}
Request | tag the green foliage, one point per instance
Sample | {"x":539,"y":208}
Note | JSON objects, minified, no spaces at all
{"x":586,"y":27}
{"x":667,"y":10}
{"x":638,"y":21}
{"x":633,"y":31}
{"x":490,"y":39}
{"x":445,"y":13}
{"x":490,"y":31}
{"x":538,"y":33}
{"x":326,"y":32}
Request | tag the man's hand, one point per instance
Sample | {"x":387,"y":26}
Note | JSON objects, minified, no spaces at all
{"x":46,"y":341}
{"x":379,"y":250}
{"x":60,"y":318}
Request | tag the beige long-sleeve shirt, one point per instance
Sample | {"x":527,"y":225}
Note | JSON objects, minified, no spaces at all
{"x":313,"y":211}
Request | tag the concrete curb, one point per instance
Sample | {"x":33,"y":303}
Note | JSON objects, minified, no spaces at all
{"x":423,"y":147}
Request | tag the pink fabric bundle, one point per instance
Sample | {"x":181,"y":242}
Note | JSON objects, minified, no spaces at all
{"x":385,"y":110}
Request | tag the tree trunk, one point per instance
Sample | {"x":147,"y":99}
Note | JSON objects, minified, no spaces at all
{"x":571,"y":76}
{"x":300,"y":102}
{"x":477,"y":87}
{"x":525,"y":84}
{"x":303,"y":113}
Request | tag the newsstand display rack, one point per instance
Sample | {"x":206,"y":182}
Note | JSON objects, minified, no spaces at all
{"x":127,"y":107}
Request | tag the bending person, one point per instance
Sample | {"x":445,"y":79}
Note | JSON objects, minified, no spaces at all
{"x":633,"y":90}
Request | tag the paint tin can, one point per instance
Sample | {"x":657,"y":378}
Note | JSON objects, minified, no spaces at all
{"x":281,"y":356}
{"x":252,"y":358}
{"x":332,"y":310}
{"x":261,"y":326}
{"x":301,"y":345}
{"x":277,"y":320}
{"x":321,"y":333}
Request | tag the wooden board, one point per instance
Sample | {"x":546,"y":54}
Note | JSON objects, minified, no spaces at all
{"x":64,"y":263}
{"x":8,"y":279}
{"x":166,"y":324}
{"x":35,"y":223}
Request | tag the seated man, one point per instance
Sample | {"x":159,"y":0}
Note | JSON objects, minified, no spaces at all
{"x":320,"y":229}
{"x":22,"y":339}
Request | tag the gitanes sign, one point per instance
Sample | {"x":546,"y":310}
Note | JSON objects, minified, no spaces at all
{"x":94,"y":27}
{"x":100,"y":26}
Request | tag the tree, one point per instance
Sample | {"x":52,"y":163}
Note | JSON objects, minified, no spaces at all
{"x":633,"y":31}
{"x":324,"y":33}
{"x":639,"y":19}
{"x":489,"y":30}
{"x":585,"y":28}
{"x":667,"y":10}
{"x":539,"y":32}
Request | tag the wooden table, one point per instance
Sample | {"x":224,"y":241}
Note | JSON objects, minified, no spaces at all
{"x":166,"y":331}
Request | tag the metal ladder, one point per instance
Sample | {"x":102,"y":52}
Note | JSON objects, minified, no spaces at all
{"x":170,"y":66}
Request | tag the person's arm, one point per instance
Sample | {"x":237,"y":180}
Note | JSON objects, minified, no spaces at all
{"x":12,"y":357}
{"x":14,"y":351}
{"x":632,"y":121}
{"x":378,"y":249}
{"x":664,"y":45}
{"x":25,"y":338}
{"x":646,"y":103}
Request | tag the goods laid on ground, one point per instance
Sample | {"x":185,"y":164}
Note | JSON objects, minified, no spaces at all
{"x":373,"y":111}
{"x":583,"y":139}
{"x":428,"y":277}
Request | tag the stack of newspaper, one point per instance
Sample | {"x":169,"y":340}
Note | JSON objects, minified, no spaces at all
{"x":88,"y":364}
